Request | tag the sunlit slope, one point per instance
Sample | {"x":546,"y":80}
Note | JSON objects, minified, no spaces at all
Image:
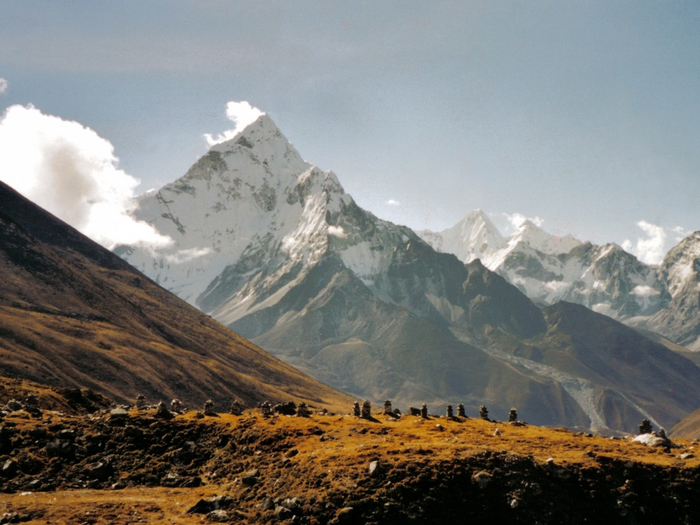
{"x":74,"y":314}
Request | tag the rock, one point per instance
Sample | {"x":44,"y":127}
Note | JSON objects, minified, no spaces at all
{"x":218,"y":516}
{"x":250,"y":478}
{"x":14,"y":406}
{"x":267,"y":504}
{"x":162,"y":412}
{"x":205,"y":506}
{"x":687,"y":455}
{"x":345,"y":515}
{"x":283,"y":513}
{"x":482,"y":478}
{"x":118,"y":413}
{"x":285,"y":409}
{"x":10,"y":517}
{"x":375,"y":469}
{"x":9,"y":468}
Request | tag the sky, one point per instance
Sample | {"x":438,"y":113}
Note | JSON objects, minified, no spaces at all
{"x":582,"y":115}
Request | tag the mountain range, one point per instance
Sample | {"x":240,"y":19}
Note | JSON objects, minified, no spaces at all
{"x":272,"y":246}
{"x":73,"y":314}
{"x":606,"y":279}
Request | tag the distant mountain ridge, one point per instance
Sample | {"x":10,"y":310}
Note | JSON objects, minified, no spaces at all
{"x":274,"y":248}
{"x":606,"y":279}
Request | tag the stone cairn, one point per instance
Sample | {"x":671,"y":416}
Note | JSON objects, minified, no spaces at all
{"x":483,"y":412}
{"x":141,"y":402}
{"x":176,"y":406}
{"x":356,"y":409}
{"x":236,"y":408}
{"x":460,"y":411}
{"x":303,"y":410}
{"x":209,"y":408}
{"x":387,"y":407}
{"x":424,"y":411}
{"x":645,"y":427}
{"x":513,"y":416}
{"x":161,"y":411}
{"x":265,"y":409}
{"x":366,"y":410}
{"x":31,"y":405}
{"x":450,"y":413}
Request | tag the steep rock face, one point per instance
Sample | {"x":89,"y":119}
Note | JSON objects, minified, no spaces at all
{"x":274,"y":248}
{"x":680,"y":271}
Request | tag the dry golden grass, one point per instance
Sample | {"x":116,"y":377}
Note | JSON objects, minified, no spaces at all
{"x":331,"y":455}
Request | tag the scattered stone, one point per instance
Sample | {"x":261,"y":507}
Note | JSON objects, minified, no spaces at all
{"x":292,"y":452}
{"x":218,"y":516}
{"x":10,"y":517}
{"x":14,"y":406}
{"x":424,"y":411}
{"x":439,"y":428}
{"x":265,"y":409}
{"x":267,"y":504}
{"x":209,"y":408}
{"x":645,"y":427}
{"x":484,"y":412}
{"x":374,"y":469}
{"x":286,"y":409}
{"x":283,"y":513}
{"x":688,"y":455}
{"x":497,"y":432}
{"x":482,"y":478}
{"x":450,"y":413}
{"x":303,"y":410}
{"x":250,"y":478}
{"x":205,"y":506}
{"x":236,"y":408}
{"x":414,"y":411}
{"x":345,"y":515}
{"x":512,"y":415}
{"x":9,"y":468}
{"x":460,"y":411}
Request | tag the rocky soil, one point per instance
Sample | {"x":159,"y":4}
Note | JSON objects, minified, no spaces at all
{"x":333,"y":469}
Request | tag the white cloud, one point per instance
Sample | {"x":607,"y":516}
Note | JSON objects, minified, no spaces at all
{"x":72,"y":172}
{"x":242,"y":114}
{"x":187,"y":255}
{"x":337,"y":231}
{"x":517,"y":219}
{"x":392,"y":202}
{"x":3,"y":85}
{"x":649,"y":249}
{"x":642,"y":290}
{"x":680,"y":233}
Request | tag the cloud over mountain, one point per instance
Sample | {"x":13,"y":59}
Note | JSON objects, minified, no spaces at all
{"x":71,"y":171}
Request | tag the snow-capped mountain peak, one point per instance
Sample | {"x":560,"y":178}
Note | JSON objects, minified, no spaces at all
{"x":474,"y":237}
{"x":535,"y":237}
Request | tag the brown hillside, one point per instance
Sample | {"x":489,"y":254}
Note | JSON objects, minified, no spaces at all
{"x":72,"y":314}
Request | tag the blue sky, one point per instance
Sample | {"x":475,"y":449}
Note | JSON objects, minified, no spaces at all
{"x":585,"y":114}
